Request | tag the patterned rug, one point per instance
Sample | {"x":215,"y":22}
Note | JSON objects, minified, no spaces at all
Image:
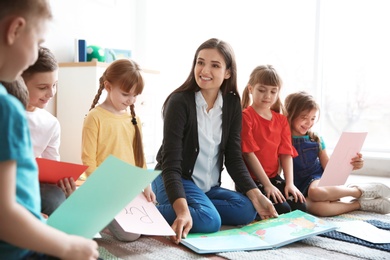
{"x":322,"y":247}
{"x":144,"y":248}
{"x":317,"y":247}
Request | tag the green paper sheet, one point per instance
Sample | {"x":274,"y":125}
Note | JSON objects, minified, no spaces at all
{"x":112,"y":186}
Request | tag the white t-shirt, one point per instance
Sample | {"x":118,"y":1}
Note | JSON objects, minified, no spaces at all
{"x":45,"y":134}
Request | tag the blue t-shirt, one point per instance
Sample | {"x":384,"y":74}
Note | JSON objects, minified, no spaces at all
{"x":15,"y":144}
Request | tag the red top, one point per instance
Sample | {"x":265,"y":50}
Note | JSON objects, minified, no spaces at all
{"x":267,"y":139}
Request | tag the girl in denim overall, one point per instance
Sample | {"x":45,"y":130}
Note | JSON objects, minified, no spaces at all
{"x":302,"y":112}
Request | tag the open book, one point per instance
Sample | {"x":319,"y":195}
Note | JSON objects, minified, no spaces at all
{"x":265,"y":234}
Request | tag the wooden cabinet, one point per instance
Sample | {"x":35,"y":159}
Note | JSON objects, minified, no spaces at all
{"x":77,"y":87}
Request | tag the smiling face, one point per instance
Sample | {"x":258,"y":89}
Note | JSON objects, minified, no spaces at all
{"x":210,"y":70}
{"x":304,"y":122}
{"x":42,"y":86}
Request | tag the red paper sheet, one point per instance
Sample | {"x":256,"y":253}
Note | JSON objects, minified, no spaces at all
{"x":51,"y":171}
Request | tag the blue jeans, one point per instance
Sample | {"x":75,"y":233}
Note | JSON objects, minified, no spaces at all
{"x":209,"y":210}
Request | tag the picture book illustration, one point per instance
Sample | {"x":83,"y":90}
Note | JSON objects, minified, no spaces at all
{"x":339,"y":165}
{"x":265,"y":234}
{"x":51,"y":171}
{"x":112,"y":186}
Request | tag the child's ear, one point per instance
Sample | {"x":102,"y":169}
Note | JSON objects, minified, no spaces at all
{"x":15,"y":29}
{"x":107,"y":85}
{"x":250,"y":88}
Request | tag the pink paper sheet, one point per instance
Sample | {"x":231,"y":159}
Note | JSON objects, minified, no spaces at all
{"x":339,"y":165}
{"x":142,"y":217}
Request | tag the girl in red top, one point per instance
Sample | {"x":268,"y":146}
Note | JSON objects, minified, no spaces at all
{"x":266,"y":140}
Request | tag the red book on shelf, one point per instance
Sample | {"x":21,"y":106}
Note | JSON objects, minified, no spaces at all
{"x":51,"y":171}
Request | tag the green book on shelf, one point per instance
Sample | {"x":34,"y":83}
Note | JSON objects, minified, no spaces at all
{"x":265,"y":234}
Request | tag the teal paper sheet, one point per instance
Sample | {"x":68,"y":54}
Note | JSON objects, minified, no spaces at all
{"x":112,"y":186}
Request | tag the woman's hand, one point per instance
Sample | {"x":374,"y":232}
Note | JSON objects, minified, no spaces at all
{"x":68,"y":186}
{"x":357,"y":161}
{"x":183,"y":222}
{"x":262,"y":204}
{"x":149,"y":194}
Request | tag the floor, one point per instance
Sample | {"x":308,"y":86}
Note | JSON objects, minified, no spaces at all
{"x":354,"y":178}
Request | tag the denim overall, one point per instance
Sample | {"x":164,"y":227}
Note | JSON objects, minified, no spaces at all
{"x":307,"y":166}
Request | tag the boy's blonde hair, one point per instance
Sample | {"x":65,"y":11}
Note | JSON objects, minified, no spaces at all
{"x":29,"y":9}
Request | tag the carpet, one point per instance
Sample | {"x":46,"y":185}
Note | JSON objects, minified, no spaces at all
{"x":146,"y":247}
{"x":321,"y":247}
{"x":318,"y":247}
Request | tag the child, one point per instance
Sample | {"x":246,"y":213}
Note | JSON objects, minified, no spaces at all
{"x":41,"y":80}
{"x":23,"y":234}
{"x":302,"y":111}
{"x":17,"y":89}
{"x":266,"y":140}
{"x":109,"y":128}
{"x":202,"y":123}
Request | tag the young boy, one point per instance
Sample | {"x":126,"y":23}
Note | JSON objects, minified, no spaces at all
{"x":22,"y":232}
{"x":41,"y":80}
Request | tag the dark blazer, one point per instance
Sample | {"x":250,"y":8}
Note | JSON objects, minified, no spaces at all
{"x":180,"y":147}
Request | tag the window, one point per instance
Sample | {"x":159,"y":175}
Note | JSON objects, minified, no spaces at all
{"x":338,"y":50}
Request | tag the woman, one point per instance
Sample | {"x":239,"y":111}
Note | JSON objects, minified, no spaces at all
{"x":202,"y":127}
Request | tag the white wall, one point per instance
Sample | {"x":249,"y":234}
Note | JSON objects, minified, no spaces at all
{"x":163,"y":35}
{"x":109,"y":24}
{"x":106,"y":23}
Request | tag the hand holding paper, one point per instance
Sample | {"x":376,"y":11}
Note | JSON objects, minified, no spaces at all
{"x":339,"y":165}
{"x":51,"y":171}
{"x":104,"y":194}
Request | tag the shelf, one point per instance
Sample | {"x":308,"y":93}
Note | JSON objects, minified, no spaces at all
{"x":98,"y":64}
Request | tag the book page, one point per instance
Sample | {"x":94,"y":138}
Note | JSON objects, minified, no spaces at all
{"x":364,"y":231}
{"x":265,"y":234}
